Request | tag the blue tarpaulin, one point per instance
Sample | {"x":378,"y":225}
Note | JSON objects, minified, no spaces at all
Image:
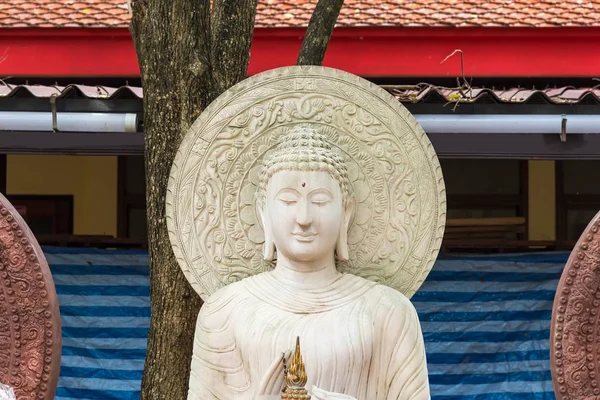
{"x":485,"y":320}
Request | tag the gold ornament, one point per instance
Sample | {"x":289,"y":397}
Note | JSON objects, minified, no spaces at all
{"x":295,"y":377}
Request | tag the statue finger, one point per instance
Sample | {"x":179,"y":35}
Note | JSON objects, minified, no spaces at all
{"x":266,"y":381}
{"x":276,"y":379}
{"x":278,"y":386}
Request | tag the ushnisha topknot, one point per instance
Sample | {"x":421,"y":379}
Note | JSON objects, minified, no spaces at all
{"x":304,"y":149}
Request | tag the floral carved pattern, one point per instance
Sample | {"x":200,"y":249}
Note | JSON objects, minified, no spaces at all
{"x":30,"y":338}
{"x":396,"y":179}
{"x":575,"y":329}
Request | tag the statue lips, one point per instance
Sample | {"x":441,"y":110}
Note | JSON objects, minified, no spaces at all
{"x":304,"y":236}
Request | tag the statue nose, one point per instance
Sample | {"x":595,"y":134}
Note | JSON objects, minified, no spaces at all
{"x":303,"y":215}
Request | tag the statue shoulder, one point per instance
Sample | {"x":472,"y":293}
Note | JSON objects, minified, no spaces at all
{"x":383,"y":296}
{"x":219,"y":306}
{"x":396,"y":314}
{"x":393,"y":300}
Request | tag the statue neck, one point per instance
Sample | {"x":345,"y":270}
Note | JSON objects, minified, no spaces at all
{"x":310,"y":274}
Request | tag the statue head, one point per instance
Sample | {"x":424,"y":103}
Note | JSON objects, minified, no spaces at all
{"x":303,"y":198}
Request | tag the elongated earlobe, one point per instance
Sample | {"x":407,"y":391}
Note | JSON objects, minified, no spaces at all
{"x":269,"y":245}
{"x":341,"y":248}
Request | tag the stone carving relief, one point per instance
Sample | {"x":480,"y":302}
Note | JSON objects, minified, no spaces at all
{"x":30,"y":338}
{"x":575,"y":329}
{"x":396,"y":179}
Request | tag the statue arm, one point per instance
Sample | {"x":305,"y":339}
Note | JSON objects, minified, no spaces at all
{"x":407,"y":373}
{"x":217,"y":369}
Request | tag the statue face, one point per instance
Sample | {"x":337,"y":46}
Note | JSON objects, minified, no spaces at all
{"x":304,"y":213}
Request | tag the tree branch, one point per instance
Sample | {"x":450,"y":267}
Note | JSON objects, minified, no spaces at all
{"x":319,"y":32}
{"x":232,"y":30}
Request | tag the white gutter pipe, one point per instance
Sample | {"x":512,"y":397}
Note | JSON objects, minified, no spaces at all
{"x":431,"y":123}
{"x":510,"y":123}
{"x":67,"y":122}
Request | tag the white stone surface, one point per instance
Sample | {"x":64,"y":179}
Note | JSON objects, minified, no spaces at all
{"x":361,"y":340}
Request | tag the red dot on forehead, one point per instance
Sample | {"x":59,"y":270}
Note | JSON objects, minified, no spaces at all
{"x":303,"y":184}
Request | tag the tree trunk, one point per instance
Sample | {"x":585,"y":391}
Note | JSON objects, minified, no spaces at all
{"x":319,"y":32}
{"x":189,"y":53}
{"x":175,"y":87}
{"x":174,"y":48}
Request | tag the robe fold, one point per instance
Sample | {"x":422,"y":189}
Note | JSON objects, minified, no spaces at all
{"x":357,"y":338}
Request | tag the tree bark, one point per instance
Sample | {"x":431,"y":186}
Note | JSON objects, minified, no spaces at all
{"x":171,"y":48}
{"x":185,"y":63}
{"x":319,"y":32}
{"x":232,"y":28}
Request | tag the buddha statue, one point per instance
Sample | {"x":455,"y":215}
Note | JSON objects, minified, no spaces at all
{"x":360,"y":339}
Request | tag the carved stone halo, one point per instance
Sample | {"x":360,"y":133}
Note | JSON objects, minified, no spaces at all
{"x":575,"y":328}
{"x":30,"y":337}
{"x":397,"y":228}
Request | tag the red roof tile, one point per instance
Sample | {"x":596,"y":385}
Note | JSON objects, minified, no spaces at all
{"x":295,"y":13}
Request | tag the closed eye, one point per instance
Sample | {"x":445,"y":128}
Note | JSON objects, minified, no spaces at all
{"x":287,"y":202}
{"x":320,"y":199}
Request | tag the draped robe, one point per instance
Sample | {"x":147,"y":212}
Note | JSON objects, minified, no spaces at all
{"x":357,"y":338}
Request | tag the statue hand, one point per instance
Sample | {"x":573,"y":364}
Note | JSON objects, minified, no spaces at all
{"x":271,"y":384}
{"x":320,"y":394}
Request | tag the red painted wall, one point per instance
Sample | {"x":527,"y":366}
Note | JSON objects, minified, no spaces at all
{"x":374,"y":52}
